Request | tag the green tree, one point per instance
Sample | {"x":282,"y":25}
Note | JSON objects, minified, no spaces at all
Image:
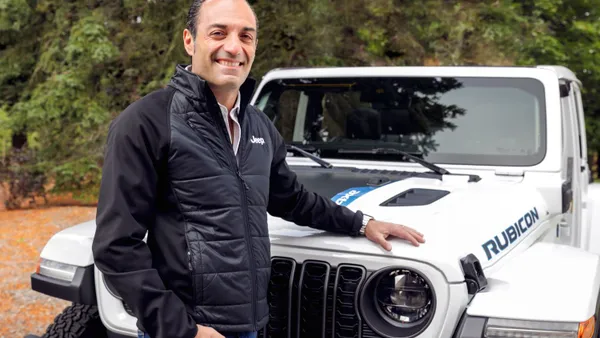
{"x":573,"y":41}
{"x":67,"y":68}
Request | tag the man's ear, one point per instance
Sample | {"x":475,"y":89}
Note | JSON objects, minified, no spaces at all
{"x":188,"y":42}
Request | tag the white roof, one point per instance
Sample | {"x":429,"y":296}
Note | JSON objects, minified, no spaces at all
{"x":562,"y":72}
{"x":416,"y":71}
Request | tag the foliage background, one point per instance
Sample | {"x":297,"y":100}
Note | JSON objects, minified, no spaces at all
{"x":68,"y":67}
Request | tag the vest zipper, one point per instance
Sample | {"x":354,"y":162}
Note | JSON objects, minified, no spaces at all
{"x":191,"y":271}
{"x":244,"y":187}
{"x":249,"y":243}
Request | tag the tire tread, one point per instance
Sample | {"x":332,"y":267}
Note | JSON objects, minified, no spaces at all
{"x":76,"y":321}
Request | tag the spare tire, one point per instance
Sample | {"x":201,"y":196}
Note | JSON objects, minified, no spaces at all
{"x":77,"y":321}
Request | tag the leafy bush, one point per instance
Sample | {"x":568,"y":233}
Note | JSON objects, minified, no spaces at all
{"x":67,"y":68}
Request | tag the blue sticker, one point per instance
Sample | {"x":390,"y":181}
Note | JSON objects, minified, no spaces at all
{"x":348,"y":196}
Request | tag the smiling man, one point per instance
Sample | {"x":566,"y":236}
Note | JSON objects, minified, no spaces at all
{"x":222,"y":46}
{"x":197,"y":169}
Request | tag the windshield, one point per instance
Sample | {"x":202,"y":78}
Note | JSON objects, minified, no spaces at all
{"x":479,"y":121}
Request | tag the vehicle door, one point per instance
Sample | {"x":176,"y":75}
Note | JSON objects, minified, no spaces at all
{"x":583,"y":170}
{"x":569,"y":228}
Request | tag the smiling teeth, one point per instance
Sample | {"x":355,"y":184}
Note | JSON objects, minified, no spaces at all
{"x":229,"y":64}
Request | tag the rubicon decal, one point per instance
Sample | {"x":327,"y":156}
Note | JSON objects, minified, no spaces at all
{"x":347,"y":196}
{"x":511,"y":234}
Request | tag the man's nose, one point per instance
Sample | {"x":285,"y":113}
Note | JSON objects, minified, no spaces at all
{"x":233,"y":45}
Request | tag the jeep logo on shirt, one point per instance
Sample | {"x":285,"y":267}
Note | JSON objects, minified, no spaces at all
{"x":258,"y":140}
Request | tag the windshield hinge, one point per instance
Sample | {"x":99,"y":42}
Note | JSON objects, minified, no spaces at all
{"x":510,"y":172}
{"x":474,"y":276}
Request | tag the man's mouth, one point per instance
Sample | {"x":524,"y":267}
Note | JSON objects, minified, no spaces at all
{"x":230,"y":63}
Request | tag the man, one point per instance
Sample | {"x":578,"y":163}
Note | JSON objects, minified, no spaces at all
{"x":180,"y":166}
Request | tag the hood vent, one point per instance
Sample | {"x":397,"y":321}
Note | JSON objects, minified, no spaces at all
{"x":415,"y":197}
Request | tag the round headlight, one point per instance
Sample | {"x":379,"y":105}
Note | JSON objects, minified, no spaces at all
{"x":397,"y":302}
{"x":404,"y":296}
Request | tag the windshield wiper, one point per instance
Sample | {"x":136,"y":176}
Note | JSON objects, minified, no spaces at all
{"x":428,"y":165}
{"x":305,"y":153}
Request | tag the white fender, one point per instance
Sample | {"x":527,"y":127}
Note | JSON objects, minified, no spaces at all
{"x":72,"y":245}
{"x":549,"y":282}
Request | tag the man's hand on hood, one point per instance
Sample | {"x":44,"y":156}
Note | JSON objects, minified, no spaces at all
{"x":378,"y":232}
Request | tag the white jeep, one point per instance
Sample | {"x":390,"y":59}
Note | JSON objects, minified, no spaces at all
{"x":507,"y":209}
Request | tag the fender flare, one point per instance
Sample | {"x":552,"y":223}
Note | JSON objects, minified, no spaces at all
{"x":567,"y":277}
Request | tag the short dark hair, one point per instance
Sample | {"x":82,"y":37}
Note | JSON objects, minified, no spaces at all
{"x":194,"y":13}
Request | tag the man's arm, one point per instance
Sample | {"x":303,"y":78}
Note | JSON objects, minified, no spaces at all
{"x":289,"y":200}
{"x":135,"y":144}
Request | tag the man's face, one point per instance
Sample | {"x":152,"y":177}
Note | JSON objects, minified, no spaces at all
{"x":225,"y":44}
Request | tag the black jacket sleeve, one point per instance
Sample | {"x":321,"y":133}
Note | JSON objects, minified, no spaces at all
{"x":289,"y":199}
{"x":136,"y":145}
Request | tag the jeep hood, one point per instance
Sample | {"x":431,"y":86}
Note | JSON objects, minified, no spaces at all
{"x":457,"y":218}
{"x":488,"y":219}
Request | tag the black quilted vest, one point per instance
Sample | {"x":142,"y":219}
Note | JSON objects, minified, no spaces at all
{"x":223,"y":201}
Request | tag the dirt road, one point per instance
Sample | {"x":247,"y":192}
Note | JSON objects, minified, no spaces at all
{"x":23,"y":235}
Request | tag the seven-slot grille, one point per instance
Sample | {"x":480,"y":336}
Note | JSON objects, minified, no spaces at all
{"x":314,"y":300}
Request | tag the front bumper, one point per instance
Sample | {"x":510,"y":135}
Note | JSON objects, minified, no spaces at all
{"x":80,"y":290}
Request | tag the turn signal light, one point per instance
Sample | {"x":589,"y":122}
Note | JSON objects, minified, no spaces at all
{"x":58,"y":270}
{"x":511,"y":328}
{"x":586,"y":329}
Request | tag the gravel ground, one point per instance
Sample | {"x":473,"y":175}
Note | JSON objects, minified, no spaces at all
{"x":23,"y":235}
